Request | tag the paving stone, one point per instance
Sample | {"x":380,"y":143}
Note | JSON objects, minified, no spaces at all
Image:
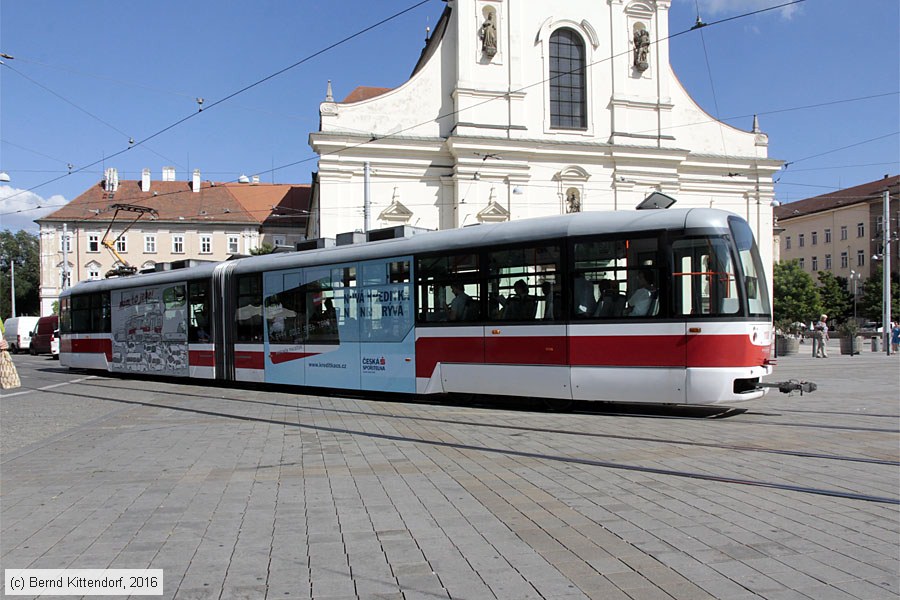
{"x":243,"y":507}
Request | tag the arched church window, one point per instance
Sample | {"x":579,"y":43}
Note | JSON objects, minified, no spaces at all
{"x":568,"y":94}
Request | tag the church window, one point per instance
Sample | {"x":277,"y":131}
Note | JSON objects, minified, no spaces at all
{"x":568,"y":93}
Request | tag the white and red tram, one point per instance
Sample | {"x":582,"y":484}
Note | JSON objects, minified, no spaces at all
{"x":662,"y":306}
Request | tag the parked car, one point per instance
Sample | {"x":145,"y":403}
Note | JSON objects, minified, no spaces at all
{"x":54,"y":345}
{"x":44,"y":333}
{"x":17,"y":332}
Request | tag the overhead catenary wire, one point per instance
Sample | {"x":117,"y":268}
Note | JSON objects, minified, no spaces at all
{"x":373,"y":139}
{"x":79,"y":108}
{"x":309,"y":57}
{"x":454,"y":112}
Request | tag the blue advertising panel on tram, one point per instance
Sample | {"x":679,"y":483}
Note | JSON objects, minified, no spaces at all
{"x":345,"y":326}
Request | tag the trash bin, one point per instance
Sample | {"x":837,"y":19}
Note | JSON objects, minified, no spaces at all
{"x":876,"y":343}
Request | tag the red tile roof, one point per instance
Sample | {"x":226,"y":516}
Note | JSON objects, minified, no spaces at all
{"x":176,"y":201}
{"x":364,"y":93}
{"x":838,"y":199}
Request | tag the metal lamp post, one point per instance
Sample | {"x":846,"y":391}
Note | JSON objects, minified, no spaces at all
{"x":854,"y":276}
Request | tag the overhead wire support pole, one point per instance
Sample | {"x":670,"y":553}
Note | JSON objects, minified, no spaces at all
{"x":886,"y":286}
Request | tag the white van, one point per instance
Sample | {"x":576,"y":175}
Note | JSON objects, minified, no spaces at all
{"x":17,"y":332}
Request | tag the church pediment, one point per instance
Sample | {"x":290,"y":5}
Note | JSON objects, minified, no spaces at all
{"x":492,"y":213}
{"x":396,"y":213}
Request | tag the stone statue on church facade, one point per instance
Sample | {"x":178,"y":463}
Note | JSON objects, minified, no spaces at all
{"x":488,"y":35}
{"x":641,"y":49}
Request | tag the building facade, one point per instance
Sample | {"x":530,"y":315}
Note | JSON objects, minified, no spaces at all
{"x":841,"y":232}
{"x":527,"y":108}
{"x":195,"y":220}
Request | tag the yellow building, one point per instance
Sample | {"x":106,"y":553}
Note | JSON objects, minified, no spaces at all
{"x":840,"y":232}
{"x":190,"y":220}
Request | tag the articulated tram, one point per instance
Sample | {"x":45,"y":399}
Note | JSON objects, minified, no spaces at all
{"x":660,"y":306}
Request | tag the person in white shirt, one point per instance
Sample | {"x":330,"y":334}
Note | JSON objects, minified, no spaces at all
{"x":639,"y":301}
{"x":820,"y":336}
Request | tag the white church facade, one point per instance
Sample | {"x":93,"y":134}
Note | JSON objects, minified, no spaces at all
{"x":527,"y":108}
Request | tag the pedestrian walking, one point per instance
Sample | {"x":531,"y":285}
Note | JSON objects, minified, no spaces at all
{"x":820,"y":336}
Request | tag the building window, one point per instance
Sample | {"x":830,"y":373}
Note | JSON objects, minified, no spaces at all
{"x":827,"y":236}
{"x":177,"y":244}
{"x":67,"y":242}
{"x":121,"y":244}
{"x":860,"y":230}
{"x":802,"y":240}
{"x":843,"y":232}
{"x":827,"y":262}
{"x":844,"y":260}
{"x":93,"y":242}
{"x":815,"y":263}
{"x":150,"y":243}
{"x":233,"y":244}
{"x":787,"y":243}
{"x":802,"y":263}
{"x":860,"y":258}
{"x":568,"y":98}
{"x":93,"y":274}
{"x":815,"y":238}
{"x":205,"y":244}
{"x":879,"y":223}
{"x":278,"y":241}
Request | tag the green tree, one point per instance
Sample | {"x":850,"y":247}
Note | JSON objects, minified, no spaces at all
{"x":796,"y":296}
{"x":870,"y":303}
{"x":23,"y":249}
{"x":263,"y":249}
{"x":837,"y":302}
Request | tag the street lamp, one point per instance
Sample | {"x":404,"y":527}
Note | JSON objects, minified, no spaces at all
{"x":854,"y":276}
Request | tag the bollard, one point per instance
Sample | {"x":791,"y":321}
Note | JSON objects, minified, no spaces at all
{"x":875,"y":341}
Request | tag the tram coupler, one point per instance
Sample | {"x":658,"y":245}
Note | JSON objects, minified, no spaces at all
{"x":790,"y":386}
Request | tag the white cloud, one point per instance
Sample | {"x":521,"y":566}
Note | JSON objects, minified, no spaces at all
{"x":19,"y":208}
{"x":722,"y":8}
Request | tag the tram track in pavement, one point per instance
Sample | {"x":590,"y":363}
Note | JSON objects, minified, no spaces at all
{"x":528,"y":429}
{"x":834,"y":493}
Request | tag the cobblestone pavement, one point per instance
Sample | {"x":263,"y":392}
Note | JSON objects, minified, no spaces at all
{"x":270,"y":494}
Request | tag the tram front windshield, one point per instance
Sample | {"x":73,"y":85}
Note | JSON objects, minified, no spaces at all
{"x":719,"y":276}
{"x":756,"y":290}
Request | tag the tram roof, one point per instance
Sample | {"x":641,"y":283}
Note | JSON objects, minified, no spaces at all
{"x":476,"y":236}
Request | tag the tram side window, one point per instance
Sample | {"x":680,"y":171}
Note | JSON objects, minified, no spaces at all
{"x":705,"y":280}
{"x":385,"y":313}
{"x":87,"y":313}
{"x":81,"y":314}
{"x":449,"y":289}
{"x":102,"y":312}
{"x":248,"y":318}
{"x":321,"y":316}
{"x":524,"y":284}
{"x":616,"y":279}
{"x":65,"y":316}
{"x":199,"y":324}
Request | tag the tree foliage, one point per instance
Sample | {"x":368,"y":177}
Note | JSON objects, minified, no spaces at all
{"x":837,"y":302}
{"x":23,"y":249}
{"x":796,"y":295}
{"x":263,"y":249}
{"x":870,"y":304}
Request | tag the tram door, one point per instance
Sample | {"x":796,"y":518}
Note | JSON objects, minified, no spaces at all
{"x":525,"y":336}
{"x":705,"y":290}
{"x":386,"y":334}
{"x":311,"y":331}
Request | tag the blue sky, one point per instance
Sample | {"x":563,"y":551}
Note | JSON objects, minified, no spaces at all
{"x":87,"y":76}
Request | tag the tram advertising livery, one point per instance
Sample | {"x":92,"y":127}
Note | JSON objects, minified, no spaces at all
{"x":660,"y":306}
